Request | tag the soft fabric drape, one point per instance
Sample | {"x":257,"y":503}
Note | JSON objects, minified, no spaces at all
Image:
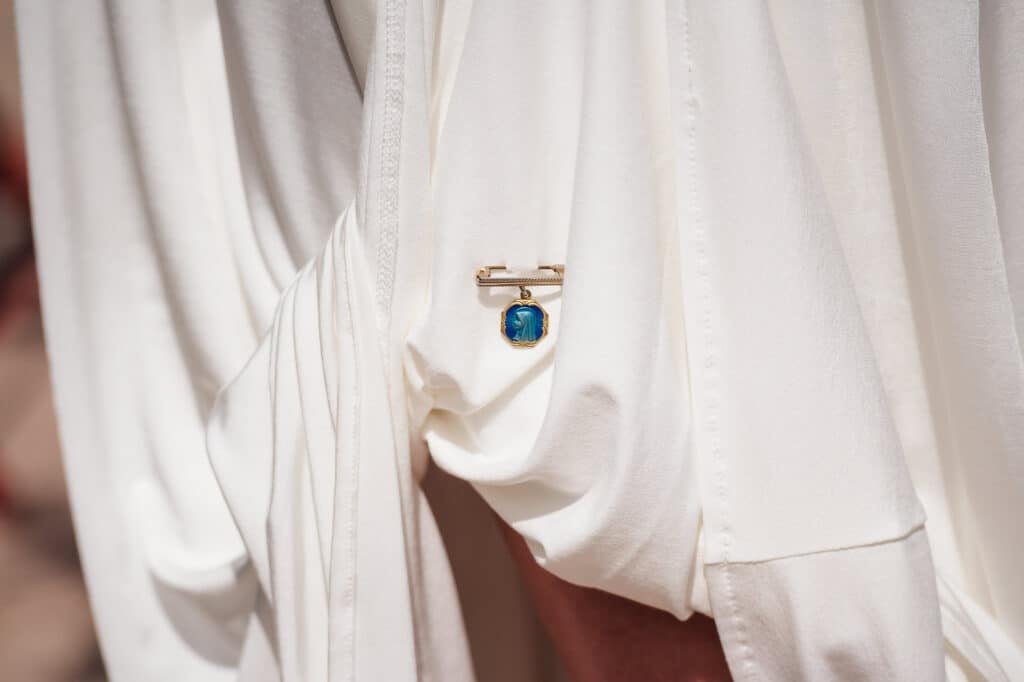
{"x":783,"y":384}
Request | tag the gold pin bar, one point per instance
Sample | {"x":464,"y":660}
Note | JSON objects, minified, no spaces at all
{"x":501,"y":276}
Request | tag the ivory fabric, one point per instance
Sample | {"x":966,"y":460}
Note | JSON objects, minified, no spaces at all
{"x":783,"y":384}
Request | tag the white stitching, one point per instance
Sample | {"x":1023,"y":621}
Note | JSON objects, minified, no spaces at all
{"x":394,"y":76}
{"x":710,"y":366}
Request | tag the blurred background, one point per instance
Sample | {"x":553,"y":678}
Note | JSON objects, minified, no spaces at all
{"x":46,"y":634}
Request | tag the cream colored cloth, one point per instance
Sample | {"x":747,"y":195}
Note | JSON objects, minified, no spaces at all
{"x":783,"y":383}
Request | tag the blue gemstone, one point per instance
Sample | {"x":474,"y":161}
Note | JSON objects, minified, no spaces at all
{"x":524,"y":323}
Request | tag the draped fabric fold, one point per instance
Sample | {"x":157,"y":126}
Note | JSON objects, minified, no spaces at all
{"x":583,"y":446}
{"x":309,"y":470}
{"x":783,"y":383}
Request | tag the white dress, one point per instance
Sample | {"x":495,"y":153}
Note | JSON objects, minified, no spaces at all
{"x":783,"y":383}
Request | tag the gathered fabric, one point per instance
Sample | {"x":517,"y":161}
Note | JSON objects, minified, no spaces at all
{"x":782,"y":386}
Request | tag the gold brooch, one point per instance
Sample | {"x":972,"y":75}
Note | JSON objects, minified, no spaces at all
{"x":523,"y":322}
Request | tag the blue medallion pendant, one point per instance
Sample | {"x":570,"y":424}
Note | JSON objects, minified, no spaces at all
{"x":524,"y":323}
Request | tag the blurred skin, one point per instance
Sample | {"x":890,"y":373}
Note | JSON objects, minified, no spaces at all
{"x":604,"y":638}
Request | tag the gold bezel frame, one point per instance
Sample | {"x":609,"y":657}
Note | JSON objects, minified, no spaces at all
{"x":524,"y":302}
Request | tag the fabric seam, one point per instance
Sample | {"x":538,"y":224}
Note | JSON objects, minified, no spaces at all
{"x":829,"y":550}
{"x":391,"y":139}
{"x":746,"y":660}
